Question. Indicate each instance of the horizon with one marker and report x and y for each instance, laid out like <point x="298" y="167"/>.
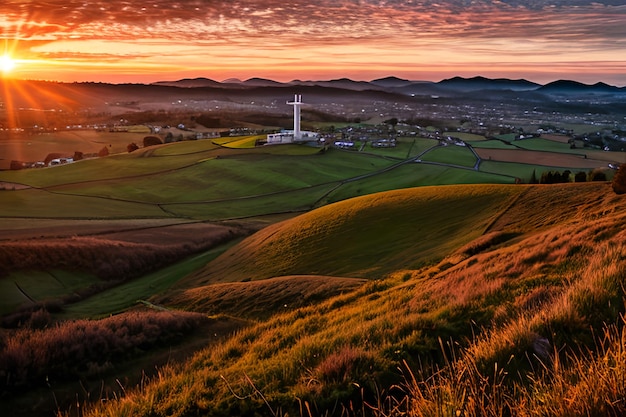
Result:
<point x="116" y="42"/>
<point x="235" y="80"/>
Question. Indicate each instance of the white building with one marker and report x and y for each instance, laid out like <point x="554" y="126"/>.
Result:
<point x="295" y="135"/>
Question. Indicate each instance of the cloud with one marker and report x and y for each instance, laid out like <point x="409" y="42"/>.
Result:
<point x="351" y="31"/>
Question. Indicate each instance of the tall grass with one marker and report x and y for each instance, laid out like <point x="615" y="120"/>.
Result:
<point x="508" y="329"/>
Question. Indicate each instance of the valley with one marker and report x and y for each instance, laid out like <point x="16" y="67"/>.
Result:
<point x="473" y="268"/>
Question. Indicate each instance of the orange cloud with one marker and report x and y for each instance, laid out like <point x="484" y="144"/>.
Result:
<point x="166" y="38"/>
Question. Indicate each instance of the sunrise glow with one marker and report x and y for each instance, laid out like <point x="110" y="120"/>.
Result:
<point x="118" y="41"/>
<point x="7" y="64"/>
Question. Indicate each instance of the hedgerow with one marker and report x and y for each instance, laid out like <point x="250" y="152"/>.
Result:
<point x="29" y="357"/>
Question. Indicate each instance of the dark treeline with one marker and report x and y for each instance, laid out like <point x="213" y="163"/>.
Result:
<point x="30" y="357"/>
<point x="557" y="177"/>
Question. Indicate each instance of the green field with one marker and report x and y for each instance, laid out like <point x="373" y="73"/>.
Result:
<point x="493" y="144"/>
<point x="451" y="155"/>
<point x="405" y="148"/>
<point x="26" y="287"/>
<point x="204" y="181"/>
<point x="355" y="265"/>
<point x="127" y="295"/>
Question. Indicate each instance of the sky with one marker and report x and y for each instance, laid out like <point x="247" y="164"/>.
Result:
<point x="122" y="41"/>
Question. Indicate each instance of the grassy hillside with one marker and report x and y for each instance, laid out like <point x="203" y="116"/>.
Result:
<point x="525" y="301"/>
<point x="367" y="236"/>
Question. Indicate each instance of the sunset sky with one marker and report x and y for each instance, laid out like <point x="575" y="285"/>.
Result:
<point x="144" y="41"/>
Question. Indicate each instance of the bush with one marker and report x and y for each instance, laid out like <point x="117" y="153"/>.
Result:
<point x="619" y="180"/>
<point x="151" y="141"/>
<point x="580" y="176"/>
<point x="131" y="147"/>
<point x="597" y="175"/>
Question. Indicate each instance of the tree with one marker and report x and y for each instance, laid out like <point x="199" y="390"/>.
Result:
<point x="132" y="147"/>
<point x="580" y="176"/>
<point x="597" y="175"/>
<point x="619" y="180"/>
<point x="151" y="141"/>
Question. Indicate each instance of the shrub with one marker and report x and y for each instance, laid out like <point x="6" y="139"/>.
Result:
<point x="580" y="176"/>
<point x="151" y="141"/>
<point x="131" y="147"/>
<point x="619" y="180"/>
<point x="597" y="175"/>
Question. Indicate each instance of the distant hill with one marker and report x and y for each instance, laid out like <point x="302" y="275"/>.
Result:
<point x="447" y="87"/>
<point x="261" y="82"/>
<point x="191" y="83"/>
<point x="342" y="83"/>
<point x="232" y="81"/>
<point x="482" y="83"/>
<point x="574" y="87"/>
<point x="391" y="82"/>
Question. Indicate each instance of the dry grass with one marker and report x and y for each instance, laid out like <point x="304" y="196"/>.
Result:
<point x="511" y="328"/>
<point x="261" y="299"/>
<point x="60" y="352"/>
<point x="96" y="262"/>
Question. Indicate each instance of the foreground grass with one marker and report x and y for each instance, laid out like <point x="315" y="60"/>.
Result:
<point x="508" y="324"/>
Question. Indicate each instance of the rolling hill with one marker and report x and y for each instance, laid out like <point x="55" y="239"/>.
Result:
<point x="514" y="311"/>
<point x="352" y="238"/>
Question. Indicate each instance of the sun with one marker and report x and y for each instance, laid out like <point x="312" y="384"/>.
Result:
<point x="6" y="63"/>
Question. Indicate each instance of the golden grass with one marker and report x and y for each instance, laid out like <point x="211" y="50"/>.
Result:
<point x="261" y="299"/>
<point x="512" y="327"/>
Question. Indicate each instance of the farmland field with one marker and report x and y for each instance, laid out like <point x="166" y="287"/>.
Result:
<point x="493" y="144"/>
<point x="547" y="145"/>
<point x="35" y="147"/>
<point x="547" y="159"/>
<point x="451" y="155"/>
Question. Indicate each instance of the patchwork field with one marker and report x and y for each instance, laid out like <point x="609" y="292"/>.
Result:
<point x="317" y="280"/>
<point x="542" y="158"/>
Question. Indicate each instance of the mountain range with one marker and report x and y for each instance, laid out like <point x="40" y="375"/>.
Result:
<point x="393" y="84"/>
